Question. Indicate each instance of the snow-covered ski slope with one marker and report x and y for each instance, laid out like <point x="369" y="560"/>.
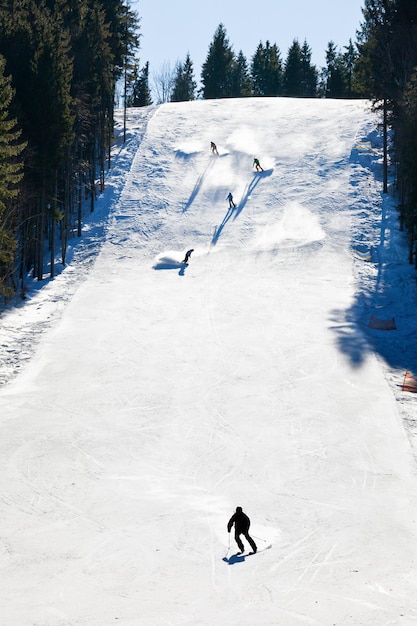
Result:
<point x="160" y="396"/>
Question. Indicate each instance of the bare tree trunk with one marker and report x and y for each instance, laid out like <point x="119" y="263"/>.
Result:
<point x="41" y="227"/>
<point x="385" y="139"/>
<point x="53" y="225"/>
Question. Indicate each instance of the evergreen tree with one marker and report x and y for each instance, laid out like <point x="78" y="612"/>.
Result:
<point x="385" y="72"/>
<point x="374" y="65"/>
<point x="184" y="83"/>
<point x="43" y="94"/>
<point x="141" y="95"/>
<point x="189" y="81"/>
<point x="350" y="58"/>
<point x="129" y="41"/>
<point x="309" y="74"/>
<point x="55" y="118"/>
<point x="217" y="70"/>
<point x="51" y="113"/>
<point x="178" y="91"/>
<point x="387" y="44"/>
<point x="63" y="57"/>
<point x="293" y="71"/>
<point x="259" y="85"/>
<point x="123" y="38"/>
<point x="407" y="146"/>
<point x="266" y="70"/>
<point x="333" y="75"/>
<point x="241" y="80"/>
<point x="10" y="176"/>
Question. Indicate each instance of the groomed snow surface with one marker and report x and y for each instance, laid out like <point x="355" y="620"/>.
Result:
<point x="143" y="400"/>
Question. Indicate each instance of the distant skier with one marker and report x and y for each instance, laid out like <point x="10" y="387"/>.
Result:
<point x="241" y="522"/>
<point x="187" y="255"/>
<point x="257" y="165"/>
<point x="213" y="147"/>
<point x="231" y="203"/>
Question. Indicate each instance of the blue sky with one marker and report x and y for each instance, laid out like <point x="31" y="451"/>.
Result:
<point x="171" y="29"/>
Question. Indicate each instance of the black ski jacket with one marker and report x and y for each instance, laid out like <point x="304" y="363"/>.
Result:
<point x="241" y="522"/>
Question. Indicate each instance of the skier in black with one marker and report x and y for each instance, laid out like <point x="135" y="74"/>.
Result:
<point x="242" y="523"/>
<point x="187" y="255"/>
<point x="213" y="147"/>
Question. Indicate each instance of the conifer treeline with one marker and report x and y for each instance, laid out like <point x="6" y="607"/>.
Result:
<point x="61" y="60"/>
<point x="228" y="75"/>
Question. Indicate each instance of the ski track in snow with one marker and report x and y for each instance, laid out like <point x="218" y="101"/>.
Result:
<point x="142" y="400"/>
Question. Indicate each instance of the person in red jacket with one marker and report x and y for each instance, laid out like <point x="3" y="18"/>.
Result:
<point x="241" y="522"/>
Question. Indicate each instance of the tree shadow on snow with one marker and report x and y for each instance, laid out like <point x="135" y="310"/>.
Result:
<point x="384" y="285"/>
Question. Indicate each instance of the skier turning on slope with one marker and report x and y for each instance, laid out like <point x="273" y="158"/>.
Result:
<point x="257" y="165"/>
<point x="242" y="523"/>
<point x="187" y="255"/>
<point x="213" y="147"/>
<point x="231" y="203"/>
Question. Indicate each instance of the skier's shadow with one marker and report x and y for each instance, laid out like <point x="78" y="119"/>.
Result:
<point x="235" y="558"/>
<point x="218" y="229"/>
<point x="167" y="263"/>
<point x="197" y="187"/>
<point x="257" y="177"/>
<point x="235" y="211"/>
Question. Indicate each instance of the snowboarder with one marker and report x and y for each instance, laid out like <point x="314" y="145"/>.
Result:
<point x="187" y="256"/>
<point x="242" y="523"/>
<point x="231" y="203"/>
<point x="257" y="165"/>
<point x="213" y="147"/>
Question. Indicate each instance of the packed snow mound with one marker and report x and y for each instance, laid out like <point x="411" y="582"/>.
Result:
<point x="297" y="225"/>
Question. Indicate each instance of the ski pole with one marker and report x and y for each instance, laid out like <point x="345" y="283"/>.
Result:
<point x="228" y="545"/>
<point x="260" y="538"/>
